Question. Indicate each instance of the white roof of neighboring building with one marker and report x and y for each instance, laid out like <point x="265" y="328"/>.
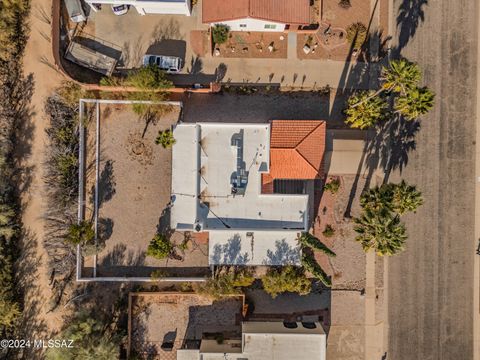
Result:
<point x="273" y="341"/>
<point x="253" y="248"/>
<point x="204" y="161"/>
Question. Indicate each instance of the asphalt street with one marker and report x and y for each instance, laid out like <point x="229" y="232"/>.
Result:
<point x="430" y="296"/>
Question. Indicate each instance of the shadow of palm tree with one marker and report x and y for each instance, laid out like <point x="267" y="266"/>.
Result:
<point x="391" y="146"/>
<point x="411" y="14"/>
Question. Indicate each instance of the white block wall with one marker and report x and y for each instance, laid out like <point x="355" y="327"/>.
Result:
<point x="253" y="25"/>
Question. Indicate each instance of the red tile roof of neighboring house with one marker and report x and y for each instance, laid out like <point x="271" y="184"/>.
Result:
<point x="282" y="11"/>
<point x="297" y="148"/>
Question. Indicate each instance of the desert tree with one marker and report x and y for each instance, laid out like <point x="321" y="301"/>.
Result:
<point x="289" y="278"/>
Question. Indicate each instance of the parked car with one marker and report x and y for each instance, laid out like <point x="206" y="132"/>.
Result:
<point x="169" y="64"/>
<point x="75" y="10"/>
<point x="120" y="9"/>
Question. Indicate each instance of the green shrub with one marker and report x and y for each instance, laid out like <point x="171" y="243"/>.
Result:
<point x="332" y="186"/>
<point x="160" y="247"/>
<point x="311" y="265"/>
<point x="329" y="231"/>
<point x="226" y="281"/>
<point x="165" y="138"/>
<point x="81" y="233"/>
<point x="158" y="274"/>
<point x="286" y="279"/>
<point x="357" y="34"/>
<point x="310" y="241"/>
<point x="94" y="338"/>
<point x="148" y="78"/>
<point x="220" y="33"/>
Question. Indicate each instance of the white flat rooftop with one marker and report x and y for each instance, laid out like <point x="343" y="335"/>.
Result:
<point x="205" y="160"/>
<point x="253" y="248"/>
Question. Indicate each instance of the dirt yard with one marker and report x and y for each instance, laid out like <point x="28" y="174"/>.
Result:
<point x="348" y="267"/>
<point x="133" y="194"/>
<point x="175" y="318"/>
<point x="241" y="44"/>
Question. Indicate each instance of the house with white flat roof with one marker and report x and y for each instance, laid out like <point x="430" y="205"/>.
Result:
<point x="221" y="177"/>
<point x="265" y="340"/>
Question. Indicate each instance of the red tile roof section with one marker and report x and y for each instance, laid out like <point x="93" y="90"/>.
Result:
<point x="267" y="184"/>
<point x="297" y="148"/>
<point x="295" y="12"/>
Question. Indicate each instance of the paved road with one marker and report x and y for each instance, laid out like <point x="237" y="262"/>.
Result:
<point x="430" y="285"/>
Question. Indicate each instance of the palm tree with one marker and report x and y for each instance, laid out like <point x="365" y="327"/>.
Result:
<point x="365" y="110"/>
<point x="406" y="198"/>
<point x="378" y="198"/>
<point x="414" y="103"/>
<point x="400" y="76"/>
<point x="381" y="231"/>
<point x="165" y="138"/>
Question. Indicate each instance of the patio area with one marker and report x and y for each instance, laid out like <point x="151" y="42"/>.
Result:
<point x="162" y="323"/>
<point x="246" y="44"/>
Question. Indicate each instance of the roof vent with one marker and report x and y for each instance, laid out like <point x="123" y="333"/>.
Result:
<point x="309" y="325"/>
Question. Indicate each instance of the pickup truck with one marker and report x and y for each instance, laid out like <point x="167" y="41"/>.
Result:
<point x="169" y="64"/>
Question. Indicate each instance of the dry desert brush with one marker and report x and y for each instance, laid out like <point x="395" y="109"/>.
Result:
<point x="15" y="93"/>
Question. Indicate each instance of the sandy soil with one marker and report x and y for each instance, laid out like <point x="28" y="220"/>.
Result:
<point x="241" y="44"/>
<point x="163" y="317"/>
<point x="38" y="56"/>
<point x="134" y="191"/>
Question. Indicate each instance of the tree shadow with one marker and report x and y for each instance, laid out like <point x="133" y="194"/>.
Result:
<point x="105" y="229"/>
<point x="411" y="14"/>
<point x="23" y="130"/>
<point x="229" y="253"/>
<point x="168" y="47"/>
<point x="283" y="254"/>
<point x="31" y="324"/>
<point x="106" y="185"/>
<point x="163" y="226"/>
<point x="390" y="148"/>
<point x="167" y="30"/>
<point x="120" y="256"/>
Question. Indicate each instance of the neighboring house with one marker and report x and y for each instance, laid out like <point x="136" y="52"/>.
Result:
<point x="257" y="15"/>
<point x="250" y="186"/>
<point x="265" y="340"/>
<point x="188" y="326"/>
<point x="144" y="7"/>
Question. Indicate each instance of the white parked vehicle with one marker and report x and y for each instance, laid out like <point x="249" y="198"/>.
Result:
<point x="169" y="64"/>
<point x="120" y="9"/>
